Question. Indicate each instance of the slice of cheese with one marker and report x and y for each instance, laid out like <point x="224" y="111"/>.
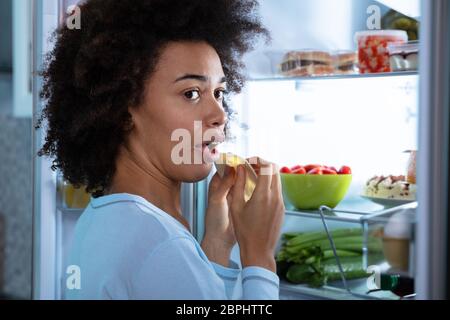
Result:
<point x="232" y="160"/>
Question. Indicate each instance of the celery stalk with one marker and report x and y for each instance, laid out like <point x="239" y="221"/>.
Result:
<point x="314" y="236"/>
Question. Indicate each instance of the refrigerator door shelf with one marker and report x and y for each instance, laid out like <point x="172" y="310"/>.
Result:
<point x="335" y="291"/>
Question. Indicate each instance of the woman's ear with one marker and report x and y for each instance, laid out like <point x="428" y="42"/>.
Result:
<point x="133" y="117"/>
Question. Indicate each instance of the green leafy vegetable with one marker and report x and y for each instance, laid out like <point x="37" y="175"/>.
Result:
<point x="308" y="257"/>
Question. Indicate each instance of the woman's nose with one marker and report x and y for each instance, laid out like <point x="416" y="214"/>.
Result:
<point x="217" y="115"/>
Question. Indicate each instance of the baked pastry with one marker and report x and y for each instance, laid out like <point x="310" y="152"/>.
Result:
<point x="345" y="62"/>
<point x="304" y="63"/>
<point x="390" y="187"/>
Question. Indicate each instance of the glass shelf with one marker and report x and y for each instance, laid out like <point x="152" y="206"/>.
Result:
<point x="372" y="220"/>
<point x="71" y="211"/>
<point x="334" y="77"/>
<point x="358" y="291"/>
<point x="359" y="213"/>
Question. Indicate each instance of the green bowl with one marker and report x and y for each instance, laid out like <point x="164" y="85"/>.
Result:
<point x="310" y="191"/>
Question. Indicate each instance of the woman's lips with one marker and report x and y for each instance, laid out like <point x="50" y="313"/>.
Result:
<point x="209" y="151"/>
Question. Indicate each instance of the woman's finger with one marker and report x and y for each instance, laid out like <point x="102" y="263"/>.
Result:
<point x="230" y="198"/>
<point x="264" y="179"/>
<point x="276" y="182"/>
<point x="254" y="163"/>
<point x="237" y="192"/>
<point x="221" y="185"/>
<point x="228" y="180"/>
<point x="257" y="164"/>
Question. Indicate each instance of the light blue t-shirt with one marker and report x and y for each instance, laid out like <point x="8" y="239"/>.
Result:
<point x="127" y="248"/>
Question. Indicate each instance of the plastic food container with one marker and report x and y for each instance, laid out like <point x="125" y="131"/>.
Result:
<point x="397" y="235"/>
<point x="76" y="198"/>
<point x="71" y="197"/>
<point x="306" y="63"/>
<point x="404" y="57"/>
<point x="345" y="62"/>
<point x="373" y="52"/>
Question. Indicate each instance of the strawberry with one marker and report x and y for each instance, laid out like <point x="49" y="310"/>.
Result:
<point x="345" y="170"/>
<point x="299" y="170"/>
<point x="316" y="170"/>
<point x="328" y="171"/>
<point x="285" y="170"/>
<point x="309" y="167"/>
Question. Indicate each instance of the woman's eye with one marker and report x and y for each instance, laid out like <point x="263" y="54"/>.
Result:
<point x="219" y="94"/>
<point x="192" y="94"/>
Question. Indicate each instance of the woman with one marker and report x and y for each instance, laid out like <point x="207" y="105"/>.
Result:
<point x="116" y="91"/>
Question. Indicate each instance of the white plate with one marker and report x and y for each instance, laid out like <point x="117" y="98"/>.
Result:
<point x="388" y="202"/>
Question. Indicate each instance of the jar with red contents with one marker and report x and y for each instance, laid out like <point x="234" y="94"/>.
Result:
<point x="373" y="54"/>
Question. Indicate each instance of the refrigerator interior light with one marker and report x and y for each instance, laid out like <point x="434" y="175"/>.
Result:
<point x="410" y="8"/>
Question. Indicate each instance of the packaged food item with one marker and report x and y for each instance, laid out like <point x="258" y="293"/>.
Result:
<point x="75" y="197"/>
<point x="345" y="62"/>
<point x="373" y="52"/>
<point x="397" y="235"/>
<point x="395" y="20"/>
<point x="232" y="160"/>
<point x="307" y="63"/>
<point x="71" y="197"/>
<point x="404" y="57"/>
<point x="396" y="252"/>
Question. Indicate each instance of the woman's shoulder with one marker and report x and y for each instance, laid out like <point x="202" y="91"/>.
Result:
<point x="133" y="216"/>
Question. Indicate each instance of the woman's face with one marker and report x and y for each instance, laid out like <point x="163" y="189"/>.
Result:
<point x="181" y="112"/>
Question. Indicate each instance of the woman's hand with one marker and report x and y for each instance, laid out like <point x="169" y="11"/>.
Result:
<point x="219" y="236"/>
<point x="257" y="223"/>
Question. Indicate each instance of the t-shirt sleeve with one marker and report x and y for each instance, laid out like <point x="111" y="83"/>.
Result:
<point x="251" y="283"/>
<point x="260" y="284"/>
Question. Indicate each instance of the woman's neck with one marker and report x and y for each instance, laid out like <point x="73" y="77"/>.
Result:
<point x="137" y="175"/>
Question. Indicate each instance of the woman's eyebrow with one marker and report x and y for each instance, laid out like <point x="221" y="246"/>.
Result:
<point x="199" y="78"/>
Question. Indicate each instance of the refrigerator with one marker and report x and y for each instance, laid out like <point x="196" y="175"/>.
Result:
<point x="365" y="121"/>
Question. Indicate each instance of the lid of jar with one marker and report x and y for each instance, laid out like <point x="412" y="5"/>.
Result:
<point x="410" y="47"/>
<point x="382" y="33"/>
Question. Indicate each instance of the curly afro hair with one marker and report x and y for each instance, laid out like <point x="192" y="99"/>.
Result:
<point x="94" y="74"/>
